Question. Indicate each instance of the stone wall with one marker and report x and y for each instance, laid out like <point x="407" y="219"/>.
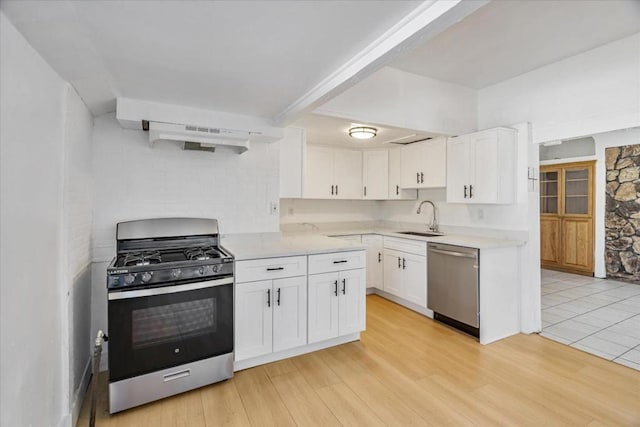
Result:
<point x="622" y="217"/>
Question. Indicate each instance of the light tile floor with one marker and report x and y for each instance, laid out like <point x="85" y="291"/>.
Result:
<point x="598" y="316"/>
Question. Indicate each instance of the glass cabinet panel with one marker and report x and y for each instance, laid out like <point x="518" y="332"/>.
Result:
<point x="549" y="192"/>
<point x="576" y="191"/>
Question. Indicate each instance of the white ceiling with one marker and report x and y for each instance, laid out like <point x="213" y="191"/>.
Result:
<point x="248" y="57"/>
<point x="324" y="130"/>
<point x="507" y="38"/>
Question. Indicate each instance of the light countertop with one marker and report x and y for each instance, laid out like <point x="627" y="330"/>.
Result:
<point x="270" y="245"/>
<point x="478" y="242"/>
<point x="274" y="245"/>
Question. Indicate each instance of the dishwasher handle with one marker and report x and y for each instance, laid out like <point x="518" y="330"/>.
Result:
<point x="453" y="253"/>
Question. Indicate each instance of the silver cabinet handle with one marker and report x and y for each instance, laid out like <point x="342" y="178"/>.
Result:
<point x="379" y="256"/>
<point x="275" y="268"/>
<point x="417" y="177"/>
<point x="397" y="190"/>
<point x="465" y="191"/>
<point x="344" y="286"/>
<point x="365" y="191"/>
<point x="336" y="189"/>
<point x="268" y="297"/>
<point x="404" y="264"/>
<point x="278" y="296"/>
<point x="398" y="262"/>
<point x="470" y="191"/>
<point x="335" y="290"/>
<point x="332" y="190"/>
<point x="342" y="261"/>
<point x="421" y="178"/>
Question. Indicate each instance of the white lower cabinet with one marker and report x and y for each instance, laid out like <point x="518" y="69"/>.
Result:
<point x="270" y="316"/>
<point x="336" y="304"/>
<point x="405" y="276"/>
<point x="374" y="260"/>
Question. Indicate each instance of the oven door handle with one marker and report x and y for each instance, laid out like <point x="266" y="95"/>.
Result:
<point x="124" y="294"/>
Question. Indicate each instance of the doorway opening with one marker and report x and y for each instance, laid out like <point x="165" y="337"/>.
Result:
<point x="597" y="315"/>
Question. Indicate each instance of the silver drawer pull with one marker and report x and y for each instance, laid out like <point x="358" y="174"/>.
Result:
<point x="340" y="262"/>
<point x="176" y="375"/>
<point x="275" y="268"/>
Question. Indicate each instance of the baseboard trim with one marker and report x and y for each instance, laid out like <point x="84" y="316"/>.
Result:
<point x="80" y="393"/>
<point x="401" y="301"/>
<point x="285" y="354"/>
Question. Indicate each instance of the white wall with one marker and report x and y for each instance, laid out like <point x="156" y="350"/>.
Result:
<point x="41" y="118"/>
<point x="604" y="140"/>
<point x="134" y="180"/>
<point x="593" y="92"/>
<point x="396" y="98"/>
<point x="77" y="225"/>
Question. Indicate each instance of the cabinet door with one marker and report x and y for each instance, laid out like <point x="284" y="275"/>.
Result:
<point x="374" y="260"/>
<point x="409" y="163"/>
<point x="484" y="167"/>
<point x="433" y="163"/>
<point x="253" y="319"/>
<point x="323" y="306"/>
<point x="396" y="192"/>
<point x="351" y="302"/>
<point x="550" y="250"/>
<point x="458" y="169"/>
<point x="347" y="173"/>
<point x="392" y="271"/>
<point x="414" y="269"/>
<point x="318" y="177"/>
<point x="289" y="313"/>
<point x="375" y="165"/>
<point x="577" y="243"/>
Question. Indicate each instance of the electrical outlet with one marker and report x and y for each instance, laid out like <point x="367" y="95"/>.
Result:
<point x="273" y="208"/>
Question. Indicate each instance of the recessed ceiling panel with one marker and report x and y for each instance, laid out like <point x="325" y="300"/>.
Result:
<point x="325" y="130"/>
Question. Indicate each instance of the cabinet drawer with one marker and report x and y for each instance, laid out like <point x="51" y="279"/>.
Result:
<point x="337" y="261"/>
<point x="270" y="268"/>
<point x="406" y="245"/>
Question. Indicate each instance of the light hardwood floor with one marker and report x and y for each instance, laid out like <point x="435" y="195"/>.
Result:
<point x="407" y="369"/>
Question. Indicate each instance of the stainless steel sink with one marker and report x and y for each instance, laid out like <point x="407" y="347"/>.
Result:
<point x="417" y="233"/>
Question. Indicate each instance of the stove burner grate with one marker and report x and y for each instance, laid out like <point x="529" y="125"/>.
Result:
<point x="199" y="254"/>
<point x="142" y="258"/>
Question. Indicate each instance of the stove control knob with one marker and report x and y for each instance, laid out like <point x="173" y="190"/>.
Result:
<point x="201" y="271"/>
<point x="215" y="268"/>
<point x="146" y="276"/>
<point x="176" y="273"/>
<point x="129" y="279"/>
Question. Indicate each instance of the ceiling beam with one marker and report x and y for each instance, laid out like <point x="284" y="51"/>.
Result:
<point x="425" y="22"/>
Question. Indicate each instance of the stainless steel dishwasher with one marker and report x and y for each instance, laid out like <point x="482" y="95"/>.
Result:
<point x="453" y="294"/>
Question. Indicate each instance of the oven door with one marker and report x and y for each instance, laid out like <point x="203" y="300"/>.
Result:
<point x="157" y="328"/>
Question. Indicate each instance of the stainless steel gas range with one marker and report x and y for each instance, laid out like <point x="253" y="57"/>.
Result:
<point x="170" y="308"/>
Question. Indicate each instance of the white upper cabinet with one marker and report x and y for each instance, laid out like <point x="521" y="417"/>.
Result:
<point x="396" y="192"/>
<point x="424" y="163"/>
<point x="332" y="173"/>
<point x="375" y="174"/>
<point x="347" y="173"/>
<point x="318" y="176"/>
<point x="481" y="167"/>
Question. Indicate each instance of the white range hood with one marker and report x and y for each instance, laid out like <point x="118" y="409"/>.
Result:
<point x="200" y="138"/>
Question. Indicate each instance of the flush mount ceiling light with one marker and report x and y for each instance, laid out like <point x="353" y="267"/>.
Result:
<point x="362" y="132"/>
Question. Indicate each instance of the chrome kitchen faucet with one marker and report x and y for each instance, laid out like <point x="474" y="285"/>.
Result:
<point x="434" y="220"/>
